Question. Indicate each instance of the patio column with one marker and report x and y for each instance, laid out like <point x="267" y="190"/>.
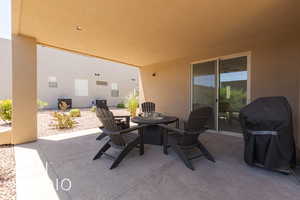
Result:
<point x="24" y="89"/>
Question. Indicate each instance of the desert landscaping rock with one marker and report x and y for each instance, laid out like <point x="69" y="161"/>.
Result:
<point x="7" y="173"/>
<point x="88" y="120"/>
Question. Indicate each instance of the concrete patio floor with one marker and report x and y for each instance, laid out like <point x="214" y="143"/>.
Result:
<point x="148" y="177"/>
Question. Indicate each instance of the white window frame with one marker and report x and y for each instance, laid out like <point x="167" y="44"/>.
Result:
<point x="248" y="54"/>
<point x="51" y="81"/>
<point x="81" y="87"/>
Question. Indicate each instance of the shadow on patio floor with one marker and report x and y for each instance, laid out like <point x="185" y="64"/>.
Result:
<point x="151" y="176"/>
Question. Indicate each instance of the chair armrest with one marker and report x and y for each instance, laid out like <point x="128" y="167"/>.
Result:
<point x="180" y="131"/>
<point x="133" y="128"/>
<point x="170" y="128"/>
<point x="122" y="116"/>
<point x="127" y="130"/>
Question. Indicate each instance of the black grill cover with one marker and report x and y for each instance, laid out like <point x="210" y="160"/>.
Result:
<point x="268" y="133"/>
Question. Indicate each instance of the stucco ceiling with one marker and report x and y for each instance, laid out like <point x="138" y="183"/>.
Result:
<point x="143" y="32"/>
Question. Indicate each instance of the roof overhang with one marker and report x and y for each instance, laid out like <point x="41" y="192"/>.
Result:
<point x="144" y="32"/>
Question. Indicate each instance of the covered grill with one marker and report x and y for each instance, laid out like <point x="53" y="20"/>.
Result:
<point x="268" y="133"/>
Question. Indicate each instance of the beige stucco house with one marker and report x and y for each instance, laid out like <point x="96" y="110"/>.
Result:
<point x="177" y="45"/>
<point x="62" y="74"/>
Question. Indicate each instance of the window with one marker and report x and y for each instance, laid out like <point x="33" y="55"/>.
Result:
<point x="52" y="82"/>
<point x="81" y="87"/>
<point x="114" y="90"/>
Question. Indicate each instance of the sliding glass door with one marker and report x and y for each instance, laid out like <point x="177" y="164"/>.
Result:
<point x="232" y="92"/>
<point x="221" y="84"/>
<point x="204" y="82"/>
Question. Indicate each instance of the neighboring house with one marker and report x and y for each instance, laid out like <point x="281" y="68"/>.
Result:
<point x="63" y="74"/>
<point x="5" y="69"/>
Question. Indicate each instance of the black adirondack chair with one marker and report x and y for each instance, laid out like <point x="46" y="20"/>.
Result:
<point x="122" y="121"/>
<point x="148" y="107"/>
<point x="122" y="139"/>
<point x="183" y="141"/>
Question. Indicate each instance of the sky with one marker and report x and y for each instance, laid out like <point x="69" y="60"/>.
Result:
<point x="209" y="80"/>
<point x="5" y="19"/>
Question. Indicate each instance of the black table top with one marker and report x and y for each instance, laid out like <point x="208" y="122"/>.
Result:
<point x="164" y="120"/>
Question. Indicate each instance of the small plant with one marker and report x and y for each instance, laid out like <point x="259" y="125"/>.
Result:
<point x="63" y="106"/>
<point x="75" y="113"/>
<point x="6" y="110"/>
<point x="121" y="105"/>
<point x="41" y="104"/>
<point x="132" y="104"/>
<point x="63" y="121"/>
<point x="93" y="109"/>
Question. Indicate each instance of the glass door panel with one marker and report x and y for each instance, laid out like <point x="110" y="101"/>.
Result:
<point x="204" y="93"/>
<point x="232" y="92"/>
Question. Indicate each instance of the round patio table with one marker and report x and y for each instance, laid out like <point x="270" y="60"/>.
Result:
<point x="153" y="134"/>
<point x="163" y="120"/>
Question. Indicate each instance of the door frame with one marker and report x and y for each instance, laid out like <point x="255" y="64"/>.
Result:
<point x="248" y="54"/>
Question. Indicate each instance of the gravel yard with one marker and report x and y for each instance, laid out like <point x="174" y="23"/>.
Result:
<point x="4" y="126"/>
<point x="87" y="120"/>
<point x="7" y="173"/>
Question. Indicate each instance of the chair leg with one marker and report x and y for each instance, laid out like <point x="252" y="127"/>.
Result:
<point x="101" y="151"/>
<point x="165" y="141"/>
<point x="182" y="156"/>
<point x="205" y="152"/>
<point x="141" y="141"/>
<point x="124" y="152"/>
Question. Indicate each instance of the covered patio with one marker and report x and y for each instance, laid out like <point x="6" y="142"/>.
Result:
<point x="165" y="40"/>
<point x="151" y="176"/>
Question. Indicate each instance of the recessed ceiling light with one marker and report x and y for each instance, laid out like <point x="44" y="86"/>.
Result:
<point x="78" y="28"/>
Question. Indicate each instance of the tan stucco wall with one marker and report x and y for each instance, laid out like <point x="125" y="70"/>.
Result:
<point x="24" y="90"/>
<point x="5" y="137"/>
<point x="274" y="71"/>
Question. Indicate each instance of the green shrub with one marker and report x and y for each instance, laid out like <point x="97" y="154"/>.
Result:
<point x="41" y="104"/>
<point x="63" y="121"/>
<point x="93" y="109"/>
<point x="237" y="98"/>
<point x="75" y="113"/>
<point x="132" y="104"/>
<point x="6" y="110"/>
<point x="121" y="105"/>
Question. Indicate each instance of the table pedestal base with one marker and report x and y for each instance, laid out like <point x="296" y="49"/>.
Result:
<point x="153" y="135"/>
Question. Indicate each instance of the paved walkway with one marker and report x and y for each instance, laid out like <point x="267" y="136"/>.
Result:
<point x="154" y="175"/>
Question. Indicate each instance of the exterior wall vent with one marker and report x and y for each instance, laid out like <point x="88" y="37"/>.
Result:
<point x="103" y="83"/>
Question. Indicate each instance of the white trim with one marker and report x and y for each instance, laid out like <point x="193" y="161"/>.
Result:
<point x="191" y="87"/>
<point x="217" y="75"/>
<point x="234" y="55"/>
<point x="249" y="78"/>
<point x="246" y="53"/>
<point x="203" y="61"/>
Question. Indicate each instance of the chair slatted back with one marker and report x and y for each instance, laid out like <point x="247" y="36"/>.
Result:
<point x="197" y="122"/>
<point x="148" y="107"/>
<point x="199" y="118"/>
<point x="107" y="119"/>
<point x="102" y="105"/>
